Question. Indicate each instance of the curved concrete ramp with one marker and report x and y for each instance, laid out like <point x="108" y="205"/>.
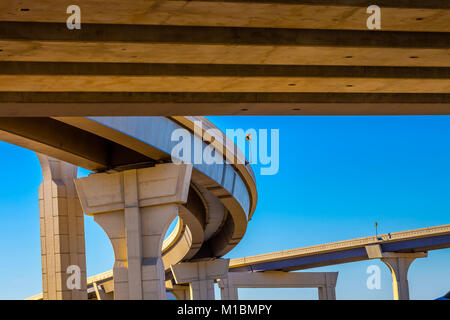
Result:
<point x="220" y="200"/>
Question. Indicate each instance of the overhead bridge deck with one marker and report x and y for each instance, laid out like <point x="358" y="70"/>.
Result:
<point x="221" y="57"/>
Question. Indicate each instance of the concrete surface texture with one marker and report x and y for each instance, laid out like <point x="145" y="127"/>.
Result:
<point x="224" y="57"/>
<point x="62" y="231"/>
<point x="135" y="208"/>
<point x="169" y="62"/>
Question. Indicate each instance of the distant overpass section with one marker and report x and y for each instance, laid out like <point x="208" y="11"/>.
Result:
<point x="222" y="57"/>
<point x="406" y="245"/>
<point x="411" y="241"/>
<point x="397" y="250"/>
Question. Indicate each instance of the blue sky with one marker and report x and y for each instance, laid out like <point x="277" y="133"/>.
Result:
<point x="337" y="176"/>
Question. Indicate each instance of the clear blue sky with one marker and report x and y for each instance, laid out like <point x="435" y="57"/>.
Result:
<point x="338" y="175"/>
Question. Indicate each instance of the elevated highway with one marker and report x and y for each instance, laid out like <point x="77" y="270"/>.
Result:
<point x="218" y="57"/>
<point x="406" y="243"/>
<point x="411" y="241"/>
<point x="221" y="197"/>
<point x="397" y="250"/>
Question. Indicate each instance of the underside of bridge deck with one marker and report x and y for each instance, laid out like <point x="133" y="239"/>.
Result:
<point x="295" y="57"/>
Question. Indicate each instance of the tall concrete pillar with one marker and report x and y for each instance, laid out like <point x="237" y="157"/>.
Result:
<point x="62" y="232"/>
<point x="135" y="209"/>
<point x="201" y="276"/>
<point x="399" y="265"/>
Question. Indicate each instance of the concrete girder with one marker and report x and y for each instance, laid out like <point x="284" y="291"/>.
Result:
<point x="400" y="15"/>
<point x="325" y="282"/>
<point x="285" y="57"/>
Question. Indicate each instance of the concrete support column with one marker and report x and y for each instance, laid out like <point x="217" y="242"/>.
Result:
<point x="328" y="291"/>
<point x="135" y="209"/>
<point x="200" y="276"/>
<point x="227" y="290"/>
<point x="399" y="265"/>
<point x="62" y="232"/>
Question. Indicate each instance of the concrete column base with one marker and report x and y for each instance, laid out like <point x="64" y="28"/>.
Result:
<point x="137" y="242"/>
<point x="200" y="276"/>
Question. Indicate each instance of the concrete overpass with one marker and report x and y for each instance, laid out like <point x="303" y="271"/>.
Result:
<point x="272" y="268"/>
<point x="411" y="241"/>
<point x="214" y="201"/>
<point x="397" y="250"/>
<point x="217" y="57"/>
<point x="179" y="59"/>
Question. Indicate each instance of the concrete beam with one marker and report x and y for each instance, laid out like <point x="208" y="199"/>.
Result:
<point x="324" y="281"/>
<point x="223" y="104"/>
<point x="68" y="143"/>
<point x="224" y="58"/>
<point x="219" y="70"/>
<point x="14" y="30"/>
<point x="347" y="14"/>
<point x="135" y="52"/>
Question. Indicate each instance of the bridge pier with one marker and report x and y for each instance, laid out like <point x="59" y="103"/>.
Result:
<point x="200" y="276"/>
<point x="135" y="208"/>
<point x="62" y="232"/>
<point x="325" y="282"/>
<point x="399" y="267"/>
<point x="399" y="264"/>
